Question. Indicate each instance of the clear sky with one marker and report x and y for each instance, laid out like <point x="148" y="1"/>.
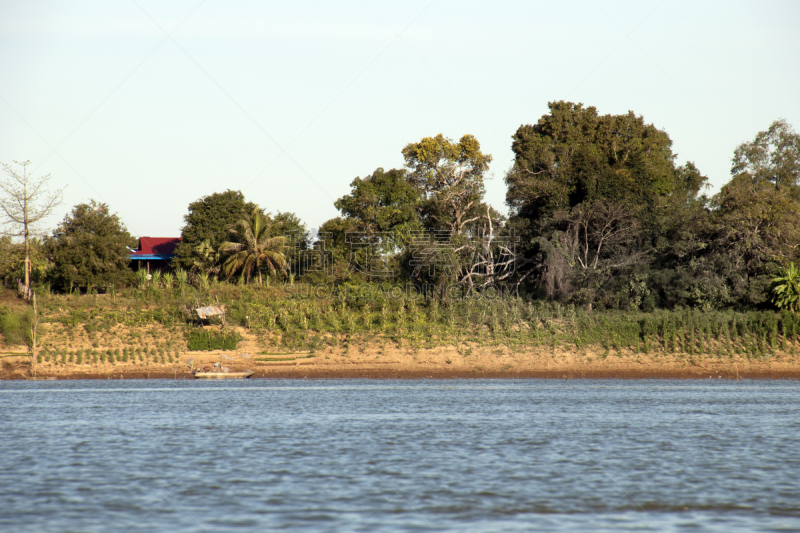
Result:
<point x="149" y="105"/>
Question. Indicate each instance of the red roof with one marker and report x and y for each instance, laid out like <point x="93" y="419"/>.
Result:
<point x="157" y="245"/>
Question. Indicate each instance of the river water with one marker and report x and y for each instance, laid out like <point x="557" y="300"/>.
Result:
<point x="353" y="455"/>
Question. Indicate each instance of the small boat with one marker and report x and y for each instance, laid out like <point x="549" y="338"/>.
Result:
<point x="223" y="375"/>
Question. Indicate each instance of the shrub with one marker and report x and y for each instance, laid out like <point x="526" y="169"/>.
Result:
<point x="205" y="340"/>
<point x="16" y="326"/>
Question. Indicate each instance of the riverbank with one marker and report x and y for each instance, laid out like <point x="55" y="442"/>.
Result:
<point x="446" y="362"/>
<point x="154" y="333"/>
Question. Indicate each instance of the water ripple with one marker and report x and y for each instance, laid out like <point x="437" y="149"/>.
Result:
<point x="350" y="455"/>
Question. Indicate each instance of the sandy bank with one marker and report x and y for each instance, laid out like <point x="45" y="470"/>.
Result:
<point x="446" y="362"/>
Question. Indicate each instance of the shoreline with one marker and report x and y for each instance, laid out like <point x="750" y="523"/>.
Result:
<point x="621" y="369"/>
<point x="437" y="375"/>
<point x="392" y="362"/>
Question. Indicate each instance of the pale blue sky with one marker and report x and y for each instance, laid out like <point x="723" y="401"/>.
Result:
<point x="289" y="101"/>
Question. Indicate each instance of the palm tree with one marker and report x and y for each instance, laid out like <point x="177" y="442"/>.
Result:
<point x="259" y="249"/>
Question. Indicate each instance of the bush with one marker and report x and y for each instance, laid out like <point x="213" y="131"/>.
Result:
<point x="205" y="340"/>
<point x="16" y="326"/>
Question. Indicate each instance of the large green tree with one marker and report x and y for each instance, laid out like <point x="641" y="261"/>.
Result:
<point x="450" y="179"/>
<point x="332" y="259"/>
<point x="773" y="156"/>
<point x="89" y="249"/>
<point x="207" y="226"/>
<point x="382" y="203"/>
<point x="752" y="230"/>
<point x="379" y="216"/>
<point x="726" y="255"/>
<point x="590" y="195"/>
<point x="297" y="238"/>
<point x="427" y="222"/>
<point x="573" y="154"/>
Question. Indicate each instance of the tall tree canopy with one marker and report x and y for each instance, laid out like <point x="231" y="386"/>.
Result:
<point x="590" y="195"/>
<point x="378" y="217"/>
<point x="752" y="230"/>
<point x="450" y="179"/>
<point x="207" y="226"/>
<point x="90" y="248"/>
<point x="297" y="240"/>
<point x="440" y="191"/>
<point x="773" y="156"/>
<point x="573" y="154"/>
<point x="382" y="203"/>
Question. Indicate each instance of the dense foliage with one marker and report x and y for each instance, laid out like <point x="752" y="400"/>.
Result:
<point x="89" y="249"/>
<point x="607" y="217"/>
<point x="12" y="261"/>
<point x="601" y="216"/>
<point x="207" y="227"/>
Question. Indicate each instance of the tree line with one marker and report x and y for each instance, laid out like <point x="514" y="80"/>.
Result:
<point x="601" y="215"/>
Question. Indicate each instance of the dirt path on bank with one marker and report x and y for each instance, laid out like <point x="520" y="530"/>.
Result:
<point x="389" y="362"/>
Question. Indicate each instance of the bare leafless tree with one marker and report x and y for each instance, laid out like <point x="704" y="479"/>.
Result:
<point x="599" y="239"/>
<point x="493" y="260"/>
<point x="24" y="202"/>
<point x="595" y="235"/>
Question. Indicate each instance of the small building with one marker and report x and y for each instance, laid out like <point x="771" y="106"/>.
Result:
<point x="154" y="253"/>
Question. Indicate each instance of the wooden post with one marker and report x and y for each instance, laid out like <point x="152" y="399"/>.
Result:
<point x="34" y="327"/>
